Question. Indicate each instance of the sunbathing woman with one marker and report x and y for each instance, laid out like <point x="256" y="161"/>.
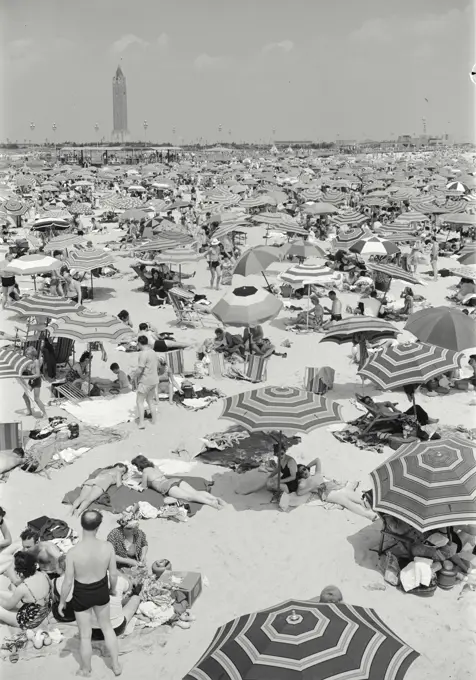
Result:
<point x="29" y="603"/>
<point x="153" y="478"/>
<point x="329" y="491"/>
<point x="94" y="488"/>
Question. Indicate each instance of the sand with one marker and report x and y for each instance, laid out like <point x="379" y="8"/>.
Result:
<point x="251" y="555"/>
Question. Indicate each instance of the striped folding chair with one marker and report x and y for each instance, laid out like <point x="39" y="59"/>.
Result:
<point x="175" y="361"/>
<point x="318" y="380"/>
<point x="255" y="369"/>
<point x="216" y="367"/>
<point x="11" y="436"/>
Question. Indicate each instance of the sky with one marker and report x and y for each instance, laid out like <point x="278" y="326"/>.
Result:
<point x="255" y="69"/>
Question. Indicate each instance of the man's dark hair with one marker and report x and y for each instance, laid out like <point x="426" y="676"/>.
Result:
<point x="143" y="326"/>
<point x="30" y="533"/>
<point x="332" y="292"/>
<point x="114" y="366"/>
<point x="472" y="357"/>
<point x="142" y="340"/>
<point x="91" y="520"/>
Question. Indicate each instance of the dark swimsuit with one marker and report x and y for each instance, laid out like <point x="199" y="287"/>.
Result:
<point x="88" y="595"/>
<point x="160" y="346"/>
<point x="293" y="485"/>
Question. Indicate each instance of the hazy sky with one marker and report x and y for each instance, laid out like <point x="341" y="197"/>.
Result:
<point x="311" y="69"/>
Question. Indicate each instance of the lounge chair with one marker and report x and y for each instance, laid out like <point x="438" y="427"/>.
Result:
<point x="216" y="367"/>
<point x="175" y="361"/>
<point x="70" y="392"/>
<point x="256" y="368"/>
<point x="141" y="275"/>
<point x="64" y="350"/>
<point x="319" y="380"/>
<point x="374" y="417"/>
<point x="184" y="315"/>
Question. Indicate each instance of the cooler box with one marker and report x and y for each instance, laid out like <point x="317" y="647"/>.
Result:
<point x="188" y="582"/>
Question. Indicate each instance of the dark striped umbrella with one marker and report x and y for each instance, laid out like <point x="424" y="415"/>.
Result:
<point x="429" y="484"/>
<point x="15" y="207"/>
<point x="350" y="218"/>
<point x="413" y="363"/>
<point x="443" y="326"/>
<point x="12" y="363"/>
<point x="300" y="640"/>
<point x="48" y="306"/>
<point x="394" y="272"/>
<point x="346" y="239"/>
<point x="63" y="241"/>
<point x="373" y="328"/>
<point x="313" y="194"/>
<point x="375" y="246"/>
<point x="90" y="326"/>
<point x="86" y="260"/>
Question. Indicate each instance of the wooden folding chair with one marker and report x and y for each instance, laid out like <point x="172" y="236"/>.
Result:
<point x="375" y="418"/>
<point x="184" y="315"/>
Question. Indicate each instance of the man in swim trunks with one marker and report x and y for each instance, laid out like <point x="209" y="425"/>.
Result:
<point x="88" y="565"/>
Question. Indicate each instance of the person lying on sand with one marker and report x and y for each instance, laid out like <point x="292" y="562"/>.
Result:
<point x="94" y="488"/>
<point x="313" y="482"/>
<point x="154" y="478"/>
<point x="9" y="460"/>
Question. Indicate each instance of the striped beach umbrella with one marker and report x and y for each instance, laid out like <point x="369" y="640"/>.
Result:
<point x="411" y="217"/>
<point x="374" y="245"/>
<point x="443" y="326"/>
<point x="372" y="328"/>
<point x="179" y="255"/>
<point x="458" y="187"/>
<point x="40" y="304"/>
<point x="87" y="260"/>
<point x="246" y="306"/>
<point x="89" y="326"/>
<point x="468" y="258"/>
<point x="460" y="218"/>
<point x="320" y="208"/>
<point x="334" y="197"/>
<point x="349" y="217"/>
<point x="256" y="260"/>
<point x="467" y="271"/>
<point x="257" y="202"/>
<point x="48" y="222"/>
<point x="346" y="239"/>
<point x="312" y="194"/>
<point x="14" y="207"/>
<point x="301" y="640"/>
<point x="458" y="206"/>
<point x="287" y="409"/>
<point x="394" y="272"/>
<point x="276" y="219"/>
<point x="413" y="363"/>
<point x="33" y="264"/>
<point x="12" y="363"/>
<point x="430" y="485"/>
<point x="301" y="248"/>
<point x="300" y="274"/>
<point x="63" y="242"/>
<point x="230" y="224"/>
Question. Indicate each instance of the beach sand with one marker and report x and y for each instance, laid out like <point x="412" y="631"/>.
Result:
<point x="252" y="555"/>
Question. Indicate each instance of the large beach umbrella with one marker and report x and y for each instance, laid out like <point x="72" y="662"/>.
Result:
<point x="314" y="194"/>
<point x="14" y="207"/>
<point x="374" y="246"/>
<point x="350" y="218"/>
<point x="429" y="485"/>
<point x="320" y="208"/>
<point x="466" y="271"/>
<point x="443" y="326"/>
<point x="48" y="306"/>
<point x="179" y="255"/>
<point x="374" y="329"/>
<point x="87" y="260"/>
<point x="89" y="327"/>
<point x="301" y="274"/>
<point x="256" y="260"/>
<point x="33" y="264"/>
<point x="412" y="363"/>
<point x="12" y="363"/>
<point x="301" y="640"/>
<point x="468" y="258"/>
<point x="247" y="306"/>
<point x="393" y="272"/>
<point x="49" y="222"/>
<point x="301" y="248"/>
<point x="346" y="239"/>
<point x="63" y="242"/>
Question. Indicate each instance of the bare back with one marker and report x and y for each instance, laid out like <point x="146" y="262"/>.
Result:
<point x="91" y="560"/>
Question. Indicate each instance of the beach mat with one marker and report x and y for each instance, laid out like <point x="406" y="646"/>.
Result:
<point x="116" y="500"/>
<point x="247" y="454"/>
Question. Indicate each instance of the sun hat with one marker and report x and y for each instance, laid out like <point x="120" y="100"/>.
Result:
<point x="214" y="242"/>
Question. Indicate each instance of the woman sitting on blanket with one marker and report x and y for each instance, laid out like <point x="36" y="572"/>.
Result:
<point x="92" y="489"/>
<point x="311" y="320"/>
<point x="328" y="491"/>
<point x="80" y="370"/>
<point x="174" y="487"/>
<point x="129" y="542"/>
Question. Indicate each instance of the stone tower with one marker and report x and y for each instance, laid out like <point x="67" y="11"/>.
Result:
<point x="120" y="132"/>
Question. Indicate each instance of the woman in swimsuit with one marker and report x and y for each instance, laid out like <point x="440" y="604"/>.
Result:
<point x="167" y="383"/>
<point x="331" y="491"/>
<point x="30" y="602"/>
<point x="153" y="478"/>
<point x="80" y="370"/>
<point x="214" y="258"/>
<point x="94" y="488"/>
<point x="33" y="371"/>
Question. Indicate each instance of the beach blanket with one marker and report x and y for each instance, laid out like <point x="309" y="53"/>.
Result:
<point x="116" y="500"/>
<point x="246" y="452"/>
<point x="104" y="411"/>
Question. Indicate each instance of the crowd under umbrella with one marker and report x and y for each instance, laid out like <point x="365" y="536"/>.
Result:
<point x="179" y="256"/>
<point x="284" y="409"/>
<point x="90" y="327"/>
<point x="430" y="485"/>
<point x="409" y="365"/>
<point x="305" y="640"/>
<point x="256" y="260"/>
<point x="88" y="260"/>
<point x="360" y="329"/>
<point x="443" y="326"/>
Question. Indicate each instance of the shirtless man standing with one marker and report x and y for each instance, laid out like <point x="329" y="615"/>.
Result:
<point x="88" y="566"/>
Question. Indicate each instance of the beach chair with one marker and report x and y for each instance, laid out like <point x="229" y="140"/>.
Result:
<point x="184" y="315"/>
<point x="71" y="392"/>
<point x="11" y="436"/>
<point x="318" y="380"/>
<point x="216" y="367"/>
<point x="142" y="276"/>
<point x="64" y="351"/>
<point x="375" y="418"/>
<point x="175" y="361"/>
<point x="256" y="368"/>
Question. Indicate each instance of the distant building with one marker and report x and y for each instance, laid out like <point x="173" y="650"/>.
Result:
<point x="120" y="133"/>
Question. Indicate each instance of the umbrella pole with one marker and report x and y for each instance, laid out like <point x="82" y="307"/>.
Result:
<point x="267" y="282"/>
<point x="280" y="442"/>
<point x="89" y="372"/>
<point x="92" y="289"/>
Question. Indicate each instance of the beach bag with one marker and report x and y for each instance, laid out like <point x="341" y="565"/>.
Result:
<point x="391" y="569"/>
<point x="187" y="389"/>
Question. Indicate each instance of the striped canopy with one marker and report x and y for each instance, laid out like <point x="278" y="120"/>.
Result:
<point x="257" y="201"/>
<point x="375" y="246"/>
<point x="373" y="329"/>
<point x="349" y="217"/>
<point x="429" y="485"/>
<point x="63" y="241"/>
<point x="15" y="207"/>
<point x="346" y="239"/>
<point x="300" y="640"/>
<point x="443" y="326"/>
<point x="334" y="197"/>
<point x="313" y="194"/>
<point x="48" y="222"/>
<point x="230" y="224"/>
<point x="413" y="363"/>
<point x="179" y="255"/>
<point x="12" y="363"/>
<point x="466" y="271"/>
<point x="246" y="306"/>
<point x="319" y="208"/>
<point x="287" y="409"/>
<point x="302" y="248"/>
<point x="460" y="218"/>
<point x="256" y="260"/>
<point x="411" y="217"/>
<point x="394" y="272"/>
<point x="33" y="264"/>
<point x="48" y="306"/>
<point x="300" y="274"/>
<point x="90" y="326"/>
<point x="85" y="260"/>
<point x="276" y="219"/>
<point x="468" y="258"/>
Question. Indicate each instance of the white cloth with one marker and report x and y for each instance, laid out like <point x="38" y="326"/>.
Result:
<point x="104" y="412"/>
<point x="147" y="511"/>
<point x="416" y="573"/>
<point x="69" y="454"/>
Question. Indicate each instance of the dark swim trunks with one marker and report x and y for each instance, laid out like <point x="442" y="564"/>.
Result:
<point x="160" y="346"/>
<point x="336" y="317"/>
<point x="88" y="595"/>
